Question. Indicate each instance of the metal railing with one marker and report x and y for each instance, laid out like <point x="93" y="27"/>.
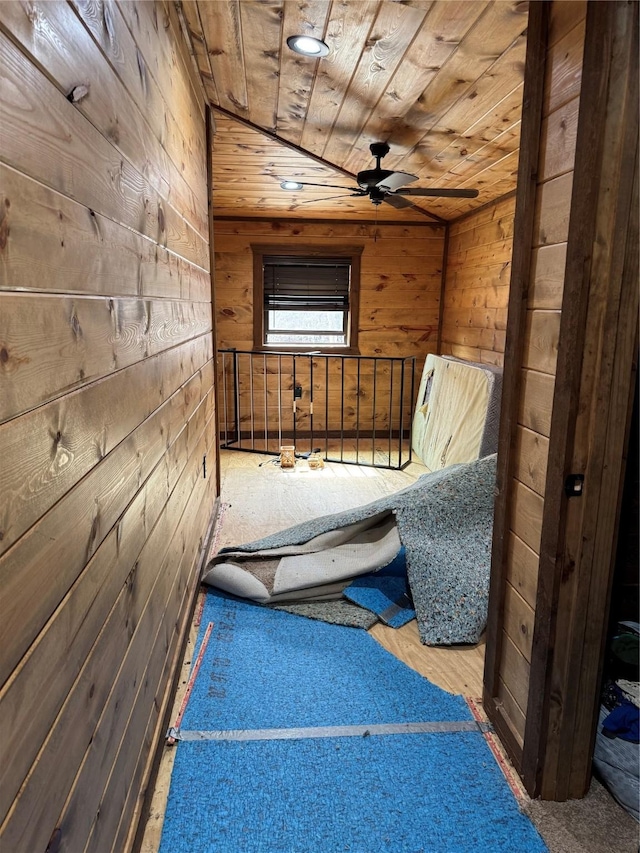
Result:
<point x="352" y="409"/>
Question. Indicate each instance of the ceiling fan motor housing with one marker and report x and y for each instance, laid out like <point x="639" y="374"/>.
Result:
<point x="377" y="195"/>
<point x="379" y="149"/>
<point x="372" y="177"/>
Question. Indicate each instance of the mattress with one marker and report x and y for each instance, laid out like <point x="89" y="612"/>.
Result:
<point x="457" y="412"/>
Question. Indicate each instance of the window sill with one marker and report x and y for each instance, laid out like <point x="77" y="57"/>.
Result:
<point x="308" y="350"/>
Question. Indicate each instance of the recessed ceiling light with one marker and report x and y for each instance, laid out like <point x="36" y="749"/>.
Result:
<point x="308" y="46"/>
<point x="291" y="185"/>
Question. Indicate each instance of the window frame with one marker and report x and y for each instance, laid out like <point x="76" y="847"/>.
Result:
<point x="351" y="253"/>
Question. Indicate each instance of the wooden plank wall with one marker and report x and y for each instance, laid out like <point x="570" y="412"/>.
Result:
<point x="400" y="291"/>
<point x="555" y="174"/>
<point x="107" y="406"/>
<point x="477" y="277"/>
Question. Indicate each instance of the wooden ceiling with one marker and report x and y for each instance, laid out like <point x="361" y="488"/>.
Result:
<point x="440" y="81"/>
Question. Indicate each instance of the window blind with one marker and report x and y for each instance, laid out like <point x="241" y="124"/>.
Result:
<point x="306" y="284"/>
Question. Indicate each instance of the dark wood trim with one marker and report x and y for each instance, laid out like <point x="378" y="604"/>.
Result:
<point x="470" y="213"/>
<point x="404" y="223"/>
<point x="258" y="299"/>
<point x="354" y="252"/>
<point x="563" y="675"/>
<point x="602" y="522"/>
<point x="209" y="134"/>
<point x="443" y="288"/>
<point x="532" y="109"/>
<point x="354" y="302"/>
<point x="502" y="728"/>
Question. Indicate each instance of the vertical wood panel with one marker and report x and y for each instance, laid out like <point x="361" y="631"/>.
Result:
<point x="109" y="410"/>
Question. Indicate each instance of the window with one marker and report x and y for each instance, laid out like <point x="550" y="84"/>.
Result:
<point x="305" y="298"/>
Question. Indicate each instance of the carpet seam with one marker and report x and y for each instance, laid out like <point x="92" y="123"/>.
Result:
<point x="309" y="732"/>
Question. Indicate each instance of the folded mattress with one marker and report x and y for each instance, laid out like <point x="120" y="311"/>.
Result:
<point x="457" y="412"/>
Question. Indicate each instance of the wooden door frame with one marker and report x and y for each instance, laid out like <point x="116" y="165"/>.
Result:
<point x="591" y="412"/>
<point x="589" y="430"/>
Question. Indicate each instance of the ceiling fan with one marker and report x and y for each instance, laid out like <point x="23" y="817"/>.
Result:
<point x="384" y="184"/>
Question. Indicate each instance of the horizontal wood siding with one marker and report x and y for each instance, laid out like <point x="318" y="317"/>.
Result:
<point x="400" y="285"/>
<point x="478" y="273"/>
<point x="107" y="407"/>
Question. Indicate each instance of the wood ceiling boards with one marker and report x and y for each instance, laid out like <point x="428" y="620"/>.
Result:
<point x="440" y="81"/>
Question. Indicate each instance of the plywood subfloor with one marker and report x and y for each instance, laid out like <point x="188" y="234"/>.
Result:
<point x="258" y="498"/>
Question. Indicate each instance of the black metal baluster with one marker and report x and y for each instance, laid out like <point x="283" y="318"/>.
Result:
<point x="326" y="406"/>
<point x="391" y="363"/>
<point x="311" y="401"/>
<point x="342" y="413"/>
<point x="411" y="404"/>
<point x="236" y="396"/>
<point x="266" y="394"/>
<point x="294" y="406"/>
<point x="279" y="403"/>
<point x="358" y="412"/>
<point x="373" y="413"/>
<point x="401" y="414"/>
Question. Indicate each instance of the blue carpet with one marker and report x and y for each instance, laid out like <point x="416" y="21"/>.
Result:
<point x="385" y="593"/>
<point x="269" y="669"/>
<point x="401" y="793"/>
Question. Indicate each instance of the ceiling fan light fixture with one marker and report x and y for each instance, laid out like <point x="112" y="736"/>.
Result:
<point x="291" y="185"/>
<point x="308" y="46"/>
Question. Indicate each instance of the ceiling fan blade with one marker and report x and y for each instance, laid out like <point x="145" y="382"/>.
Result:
<point x="396" y="180"/>
<point x="401" y="203"/>
<point x="397" y="201"/>
<point x="440" y="193"/>
<point x="326" y="186"/>
<point x="331" y="198"/>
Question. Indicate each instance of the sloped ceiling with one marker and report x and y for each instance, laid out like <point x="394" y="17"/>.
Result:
<point x="440" y="81"/>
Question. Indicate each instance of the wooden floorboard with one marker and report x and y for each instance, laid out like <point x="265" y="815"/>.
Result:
<point x="258" y="498"/>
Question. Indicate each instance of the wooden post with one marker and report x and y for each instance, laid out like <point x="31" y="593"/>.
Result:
<point x="591" y="402"/>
